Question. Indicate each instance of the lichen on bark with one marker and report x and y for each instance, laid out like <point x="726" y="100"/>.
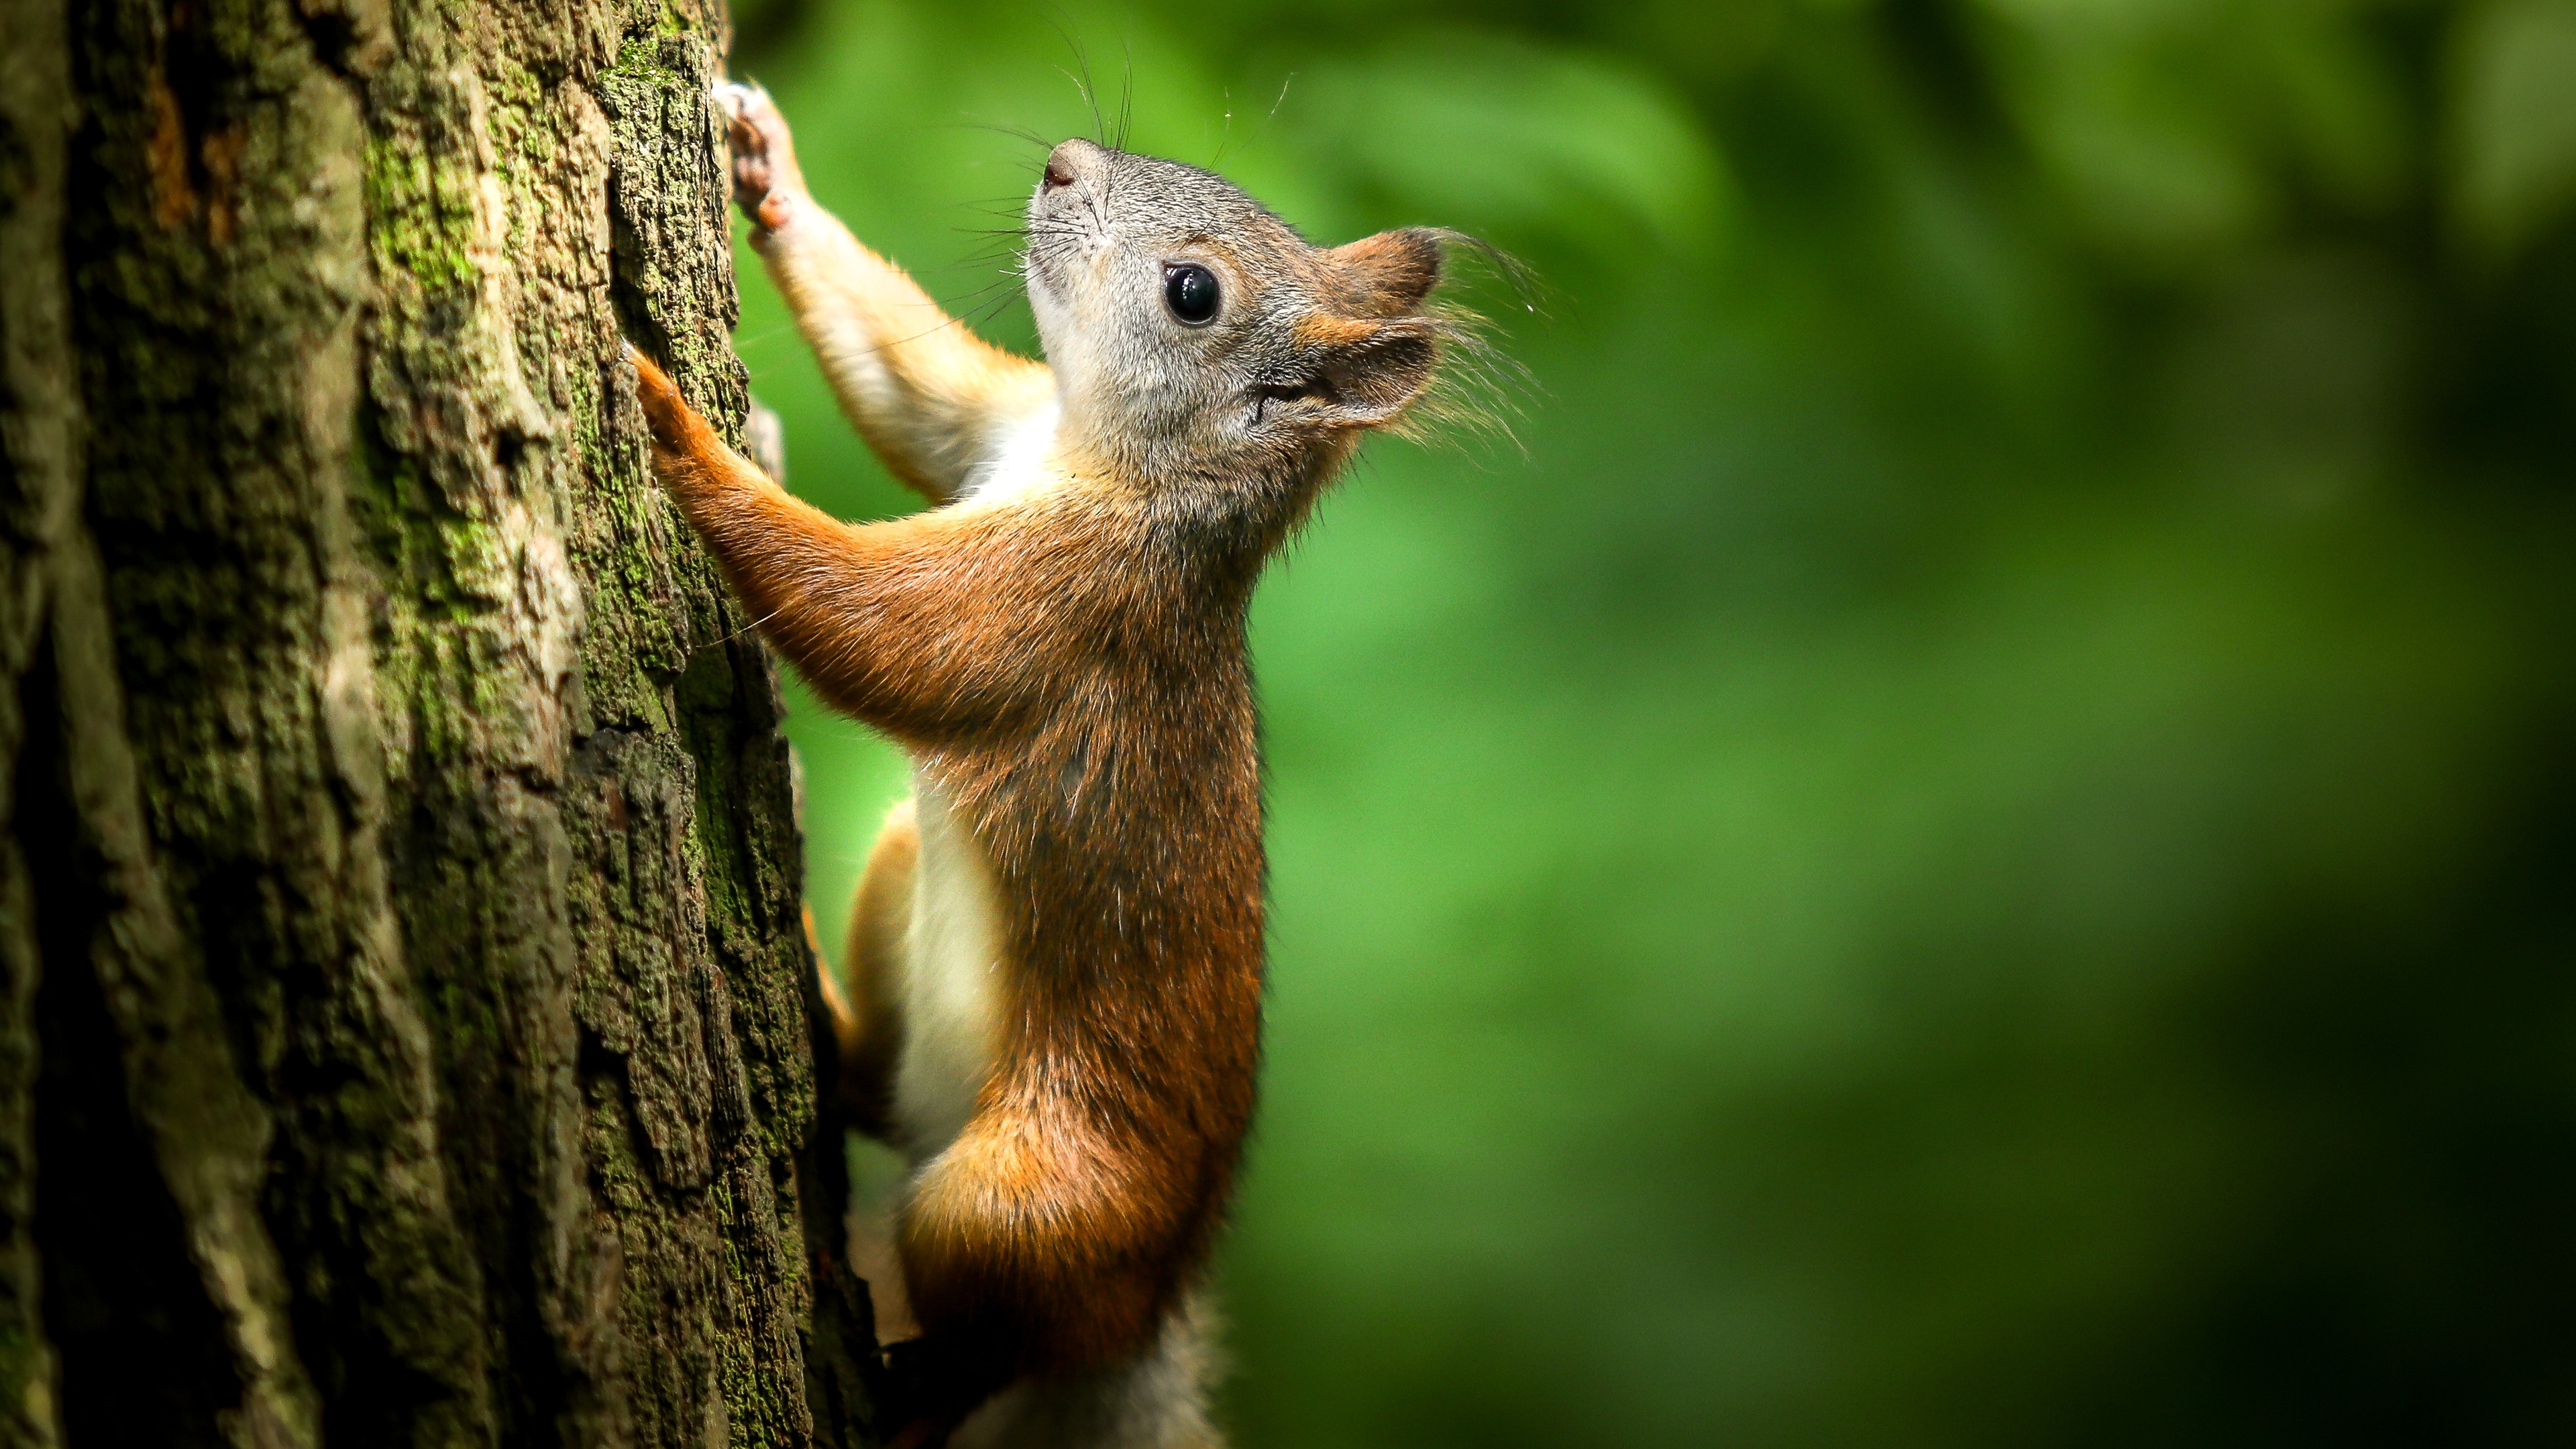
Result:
<point x="436" y="887"/>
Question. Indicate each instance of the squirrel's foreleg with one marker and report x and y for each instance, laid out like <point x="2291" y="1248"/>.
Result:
<point x="885" y="620"/>
<point x="931" y="397"/>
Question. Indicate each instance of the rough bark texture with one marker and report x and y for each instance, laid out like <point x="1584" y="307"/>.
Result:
<point x="404" y="1020"/>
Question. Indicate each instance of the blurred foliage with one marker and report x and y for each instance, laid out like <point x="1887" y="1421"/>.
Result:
<point x="1973" y="846"/>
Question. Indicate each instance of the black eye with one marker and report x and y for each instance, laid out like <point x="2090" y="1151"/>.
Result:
<point x="1190" y="289"/>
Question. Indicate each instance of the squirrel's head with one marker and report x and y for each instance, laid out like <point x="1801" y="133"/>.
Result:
<point x="1181" y="317"/>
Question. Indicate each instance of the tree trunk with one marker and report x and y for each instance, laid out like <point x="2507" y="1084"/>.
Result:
<point x="404" y="1006"/>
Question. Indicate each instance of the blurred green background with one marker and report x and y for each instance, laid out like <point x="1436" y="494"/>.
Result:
<point x="1974" y="845"/>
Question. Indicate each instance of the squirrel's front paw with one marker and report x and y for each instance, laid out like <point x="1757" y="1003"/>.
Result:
<point x="766" y="183"/>
<point x="667" y="415"/>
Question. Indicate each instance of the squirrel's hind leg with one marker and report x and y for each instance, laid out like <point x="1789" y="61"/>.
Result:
<point x="867" y="1000"/>
<point x="867" y="1021"/>
<point x="1157" y="1400"/>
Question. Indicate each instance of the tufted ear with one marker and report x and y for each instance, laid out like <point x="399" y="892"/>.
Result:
<point x="1386" y="275"/>
<point x="1360" y="374"/>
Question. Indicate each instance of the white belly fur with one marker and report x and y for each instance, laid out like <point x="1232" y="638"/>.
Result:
<point x="952" y="989"/>
<point x="1016" y="461"/>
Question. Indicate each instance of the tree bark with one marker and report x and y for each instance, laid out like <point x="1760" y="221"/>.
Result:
<point x="405" y="1014"/>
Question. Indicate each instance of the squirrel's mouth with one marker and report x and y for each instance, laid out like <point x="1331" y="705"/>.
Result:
<point x="1037" y="269"/>
<point x="1052" y="246"/>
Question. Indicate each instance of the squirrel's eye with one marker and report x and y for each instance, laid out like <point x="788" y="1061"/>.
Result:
<point x="1190" y="290"/>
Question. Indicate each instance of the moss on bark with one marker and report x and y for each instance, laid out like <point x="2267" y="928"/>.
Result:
<point x="430" y="868"/>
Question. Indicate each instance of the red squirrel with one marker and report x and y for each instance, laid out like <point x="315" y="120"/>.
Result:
<point x="1053" y="994"/>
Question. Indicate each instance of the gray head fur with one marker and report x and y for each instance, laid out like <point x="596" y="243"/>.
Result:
<point x="1308" y="347"/>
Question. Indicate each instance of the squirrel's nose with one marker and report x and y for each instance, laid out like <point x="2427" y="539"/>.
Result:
<point x="1071" y="161"/>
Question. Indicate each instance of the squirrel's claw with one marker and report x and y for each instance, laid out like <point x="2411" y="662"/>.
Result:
<point x="766" y="182"/>
<point x="733" y="96"/>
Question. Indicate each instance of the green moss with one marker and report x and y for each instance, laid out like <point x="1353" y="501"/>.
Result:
<point x="421" y="216"/>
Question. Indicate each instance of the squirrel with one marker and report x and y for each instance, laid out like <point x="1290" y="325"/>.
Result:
<point x="1052" y="999"/>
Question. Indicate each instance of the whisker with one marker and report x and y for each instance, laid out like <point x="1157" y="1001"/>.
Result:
<point x="754" y="624"/>
<point x="1082" y="82"/>
<point x="1016" y="133"/>
<point x="1126" y="94"/>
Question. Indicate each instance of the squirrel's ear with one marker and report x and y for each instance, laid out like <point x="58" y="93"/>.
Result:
<point x="1387" y="275"/>
<point x="1371" y="371"/>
